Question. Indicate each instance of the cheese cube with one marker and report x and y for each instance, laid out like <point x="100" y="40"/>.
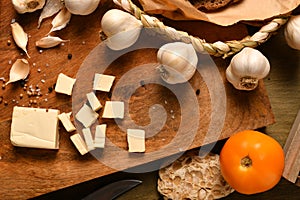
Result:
<point x="35" y="127"/>
<point x="88" y="139"/>
<point x="113" y="109"/>
<point x="93" y="101"/>
<point x="86" y="116"/>
<point x="64" y="84"/>
<point x="99" y="141"/>
<point x="79" y="143"/>
<point x="66" y="121"/>
<point x="103" y="82"/>
<point x="136" y="140"/>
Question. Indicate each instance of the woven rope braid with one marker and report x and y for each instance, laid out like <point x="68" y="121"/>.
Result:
<point x="218" y="49"/>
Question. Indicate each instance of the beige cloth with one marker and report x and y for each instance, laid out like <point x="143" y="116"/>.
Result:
<point x="245" y="10"/>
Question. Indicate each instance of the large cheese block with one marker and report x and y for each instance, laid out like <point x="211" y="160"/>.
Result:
<point x="35" y="127"/>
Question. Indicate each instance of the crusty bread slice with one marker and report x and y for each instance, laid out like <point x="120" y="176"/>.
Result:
<point x="211" y="5"/>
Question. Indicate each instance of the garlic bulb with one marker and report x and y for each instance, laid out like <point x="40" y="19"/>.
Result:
<point x="292" y="32"/>
<point x="23" y="6"/>
<point x="81" y="7"/>
<point x="121" y="28"/>
<point x="247" y="68"/>
<point x="178" y="62"/>
<point x="19" y="70"/>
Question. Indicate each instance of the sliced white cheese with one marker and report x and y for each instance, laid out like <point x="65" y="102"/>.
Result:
<point x="34" y="127"/>
<point x="113" y="109"/>
<point x="64" y="84"/>
<point x="86" y="116"/>
<point x="79" y="143"/>
<point x="88" y="139"/>
<point x="65" y="119"/>
<point x="136" y="140"/>
<point x="99" y="141"/>
<point x="103" y="82"/>
<point x="93" y="101"/>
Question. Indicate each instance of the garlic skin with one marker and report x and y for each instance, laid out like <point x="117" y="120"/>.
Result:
<point x="81" y="7"/>
<point x="178" y="62"/>
<point x="246" y="68"/>
<point x="19" y="71"/>
<point x="292" y="32"/>
<point x="121" y="28"/>
<point x="23" y="6"/>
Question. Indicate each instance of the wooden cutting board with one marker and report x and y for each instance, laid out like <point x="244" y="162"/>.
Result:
<point x="26" y="172"/>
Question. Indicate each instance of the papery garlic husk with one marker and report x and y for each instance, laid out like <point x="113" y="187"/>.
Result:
<point x="246" y="68"/>
<point x="24" y="6"/>
<point x="19" y="35"/>
<point x="81" y="7"/>
<point x="292" y="32"/>
<point x="19" y="70"/>
<point x="52" y="7"/>
<point x="121" y="28"/>
<point x="49" y="42"/>
<point x="178" y="62"/>
<point x="61" y="20"/>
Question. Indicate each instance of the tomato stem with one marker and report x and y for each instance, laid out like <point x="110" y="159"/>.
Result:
<point x="246" y="161"/>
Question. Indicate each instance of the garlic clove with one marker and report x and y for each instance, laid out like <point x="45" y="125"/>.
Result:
<point x="81" y="7"/>
<point x="123" y="39"/>
<point x="19" y="70"/>
<point x="246" y="69"/>
<point x="24" y="6"/>
<point x="20" y="37"/>
<point x="121" y="28"/>
<point x="292" y="32"/>
<point x="61" y="20"/>
<point x="49" y="41"/>
<point x="178" y="62"/>
<point x="52" y="7"/>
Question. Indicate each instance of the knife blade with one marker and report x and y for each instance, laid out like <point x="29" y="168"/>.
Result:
<point x="113" y="190"/>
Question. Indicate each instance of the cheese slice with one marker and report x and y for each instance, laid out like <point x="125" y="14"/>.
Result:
<point x="88" y="139"/>
<point x="86" y="116"/>
<point x="35" y="127"/>
<point x="136" y="140"/>
<point x="93" y="101"/>
<point x="113" y="109"/>
<point x="64" y="84"/>
<point x="65" y="119"/>
<point x="99" y="141"/>
<point x="79" y="143"/>
<point x="103" y="82"/>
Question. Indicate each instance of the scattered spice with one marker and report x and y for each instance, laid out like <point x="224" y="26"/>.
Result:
<point x="197" y="92"/>
<point x="3" y="87"/>
<point x="70" y="56"/>
<point x="43" y="81"/>
<point x="21" y="96"/>
<point x="8" y="43"/>
<point x="50" y="89"/>
<point x="5" y="103"/>
<point x="39" y="70"/>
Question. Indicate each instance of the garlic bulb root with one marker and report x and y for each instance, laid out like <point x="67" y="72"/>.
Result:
<point x="178" y="62"/>
<point x="81" y="7"/>
<point x="292" y="32"/>
<point x="246" y="69"/>
<point x="121" y="28"/>
<point x="23" y="6"/>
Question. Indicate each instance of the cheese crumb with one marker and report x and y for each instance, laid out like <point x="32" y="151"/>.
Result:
<point x="136" y="140"/>
<point x="113" y="109"/>
<point x="86" y="116"/>
<point x="66" y="121"/>
<point x="88" y="139"/>
<point x="93" y="101"/>
<point x="99" y="141"/>
<point x="64" y="84"/>
<point x="79" y="143"/>
<point x="103" y="82"/>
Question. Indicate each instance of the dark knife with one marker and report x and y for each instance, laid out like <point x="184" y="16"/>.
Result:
<point x="113" y="190"/>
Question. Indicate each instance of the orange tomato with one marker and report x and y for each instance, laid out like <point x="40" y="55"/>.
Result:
<point x="251" y="162"/>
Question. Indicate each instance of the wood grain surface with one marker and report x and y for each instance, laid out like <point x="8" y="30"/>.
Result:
<point x="27" y="173"/>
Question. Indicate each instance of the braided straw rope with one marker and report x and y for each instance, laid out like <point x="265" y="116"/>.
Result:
<point x="218" y="48"/>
